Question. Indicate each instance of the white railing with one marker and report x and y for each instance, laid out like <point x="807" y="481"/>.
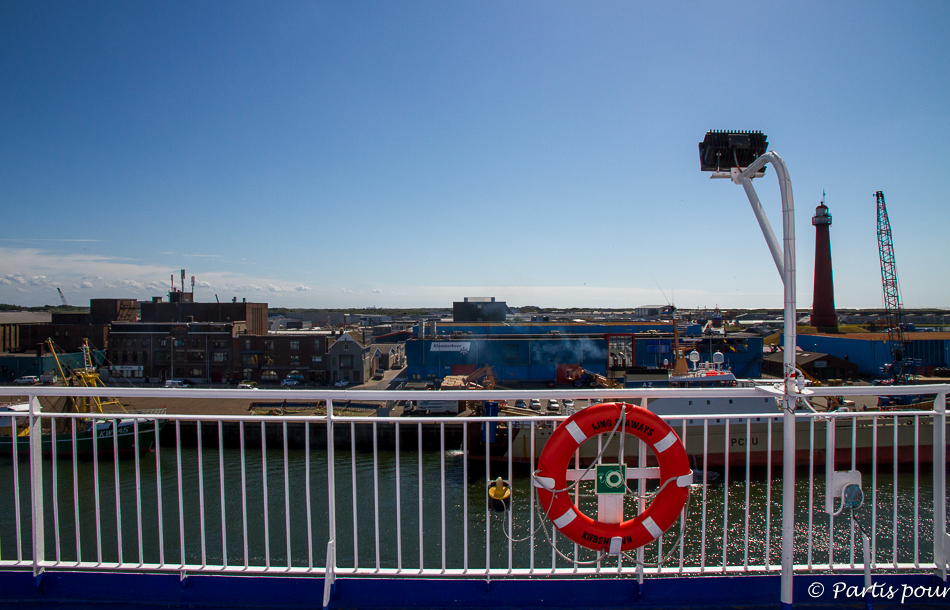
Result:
<point x="346" y="495"/>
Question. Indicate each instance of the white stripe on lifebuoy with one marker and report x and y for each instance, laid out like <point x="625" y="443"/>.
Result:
<point x="665" y="443"/>
<point x="565" y="519"/>
<point x="652" y="527"/>
<point x="576" y="432"/>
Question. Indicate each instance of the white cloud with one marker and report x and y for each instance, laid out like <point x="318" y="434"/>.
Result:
<point x="347" y="291"/>
<point x="274" y="288"/>
<point x="377" y="291"/>
<point x="302" y="288"/>
<point x="86" y="284"/>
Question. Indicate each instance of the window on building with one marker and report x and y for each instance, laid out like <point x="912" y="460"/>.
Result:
<point x="294" y="359"/>
<point x="247" y="344"/>
<point x="250" y="360"/>
<point x="295" y="345"/>
<point x="511" y="351"/>
<point x="220" y="356"/>
<point x="269" y="345"/>
<point x="316" y="359"/>
<point x="220" y="343"/>
<point x="163" y="343"/>
<point x="346" y="346"/>
<point x="316" y="344"/>
<point x="268" y="360"/>
<point x="196" y="372"/>
<point x="179" y="343"/>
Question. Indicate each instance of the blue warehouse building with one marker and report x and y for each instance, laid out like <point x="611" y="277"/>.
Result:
<point x="871" y="351"/>
<point x="535" y="353"/>
<point x="564" y="328"/>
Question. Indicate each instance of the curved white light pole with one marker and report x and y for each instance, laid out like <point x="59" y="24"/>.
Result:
<point x="785" y="263"/>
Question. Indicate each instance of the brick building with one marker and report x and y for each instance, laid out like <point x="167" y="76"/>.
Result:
<point x="274" y="357"/>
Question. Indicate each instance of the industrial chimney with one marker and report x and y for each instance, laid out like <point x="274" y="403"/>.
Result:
<point x="823" y="314"/>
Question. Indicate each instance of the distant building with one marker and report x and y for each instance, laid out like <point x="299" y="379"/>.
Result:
<point x="270" y="358"/>
<point x="180" y="308"/>
<point x="521" y="354"/>
<point x="350" y="360"/>
<point x="479" y="309"/>
<point x="870" y="351"/>
<point x="155" y="352"/>
<point x="652" y="311"/>
<point x="820" y="366"/>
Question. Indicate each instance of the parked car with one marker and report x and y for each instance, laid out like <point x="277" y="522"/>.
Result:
<point x="568" y="403"/>
<point x="520" y="404"/>
<point x="27" y="380"/>
<point x="552" y="405"/>
<point x="179" y="383"/>
<point x="289" y="383"/>
<point x="379" y="374"/>
<point x="535" y="404"/>
<point x="247" y="385"/>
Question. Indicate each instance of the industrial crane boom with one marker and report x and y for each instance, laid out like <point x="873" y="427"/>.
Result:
<point x="892" y="300"/>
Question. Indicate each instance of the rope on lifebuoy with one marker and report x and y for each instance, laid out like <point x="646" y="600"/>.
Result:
<point x="614" y="538"/>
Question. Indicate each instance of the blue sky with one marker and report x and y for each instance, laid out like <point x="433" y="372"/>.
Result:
<point x="409" y="154"/>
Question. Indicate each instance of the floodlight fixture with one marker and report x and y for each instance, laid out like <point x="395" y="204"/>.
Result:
<point x="723" y="151"/>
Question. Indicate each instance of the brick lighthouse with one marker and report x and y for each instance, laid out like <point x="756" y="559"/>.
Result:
<point x="823" y="314"/>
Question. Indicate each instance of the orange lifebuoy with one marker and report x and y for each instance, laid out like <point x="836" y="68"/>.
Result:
<point x="551" y="478"/>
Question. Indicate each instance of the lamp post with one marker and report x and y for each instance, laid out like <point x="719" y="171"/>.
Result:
<point x="740" y="157"/>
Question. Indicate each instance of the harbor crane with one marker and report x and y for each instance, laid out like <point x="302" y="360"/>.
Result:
<point x="892" y="300"/>
<point x="62" y="298"/>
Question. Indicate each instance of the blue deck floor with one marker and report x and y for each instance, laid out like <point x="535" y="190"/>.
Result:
<point x="82" y="590"/>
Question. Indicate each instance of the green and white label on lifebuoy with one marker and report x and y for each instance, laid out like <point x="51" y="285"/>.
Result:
<point x="611" y="479"/>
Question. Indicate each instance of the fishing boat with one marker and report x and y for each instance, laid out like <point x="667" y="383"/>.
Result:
<point x="136" y="431"/>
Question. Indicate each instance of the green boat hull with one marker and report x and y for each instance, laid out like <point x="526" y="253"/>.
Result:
<point x="125" y="442"/>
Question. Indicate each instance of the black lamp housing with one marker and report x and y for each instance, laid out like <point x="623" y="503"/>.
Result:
<point x="721" y="151"/>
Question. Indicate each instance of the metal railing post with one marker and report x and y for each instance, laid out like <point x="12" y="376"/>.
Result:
<point x="36" y="485"/>
<point x="941" y="544"/>
<point x="330" y="572"/>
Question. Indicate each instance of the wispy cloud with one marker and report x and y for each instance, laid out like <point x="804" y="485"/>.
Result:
<point x="38" y="239"/>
